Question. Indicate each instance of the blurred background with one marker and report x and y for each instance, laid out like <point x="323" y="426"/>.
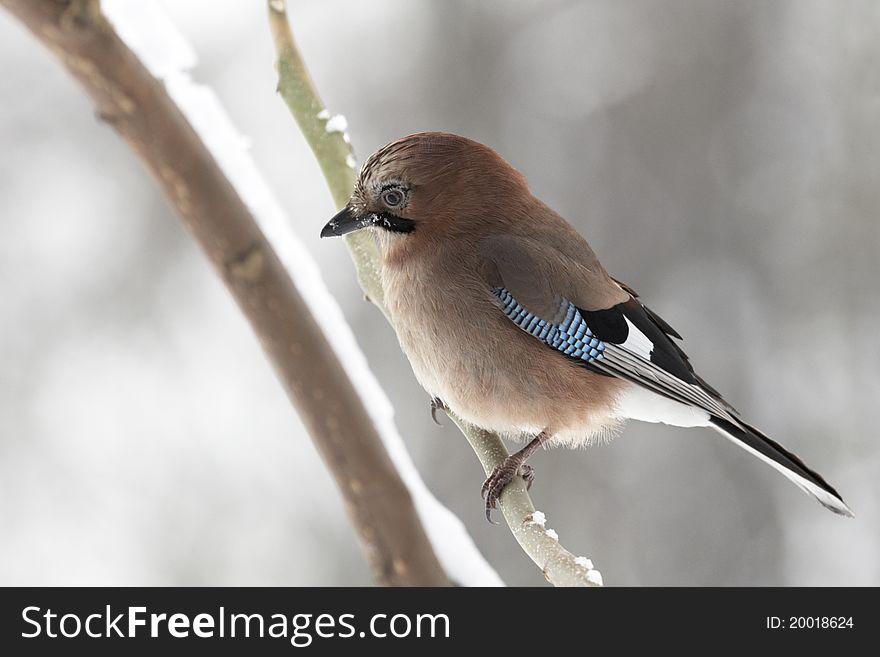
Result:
<point x="723" y="158"/>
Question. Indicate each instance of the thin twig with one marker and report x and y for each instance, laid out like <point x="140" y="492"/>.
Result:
<point x="139" y="108"/>
<point x="333" y="152"/>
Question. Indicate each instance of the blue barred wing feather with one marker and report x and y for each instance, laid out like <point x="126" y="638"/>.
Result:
<point x="571" y="336"/>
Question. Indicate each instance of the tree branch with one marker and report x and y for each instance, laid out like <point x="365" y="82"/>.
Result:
<point x="333" y="152"/>
<point x="331" y="146"/>
<point x="139" y="108"/>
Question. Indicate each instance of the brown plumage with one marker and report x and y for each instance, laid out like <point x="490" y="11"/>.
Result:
<point x="506" y="314"/>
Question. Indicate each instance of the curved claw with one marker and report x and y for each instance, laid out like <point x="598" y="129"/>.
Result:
<point x="437" y="405"/>
<point x="484" y="494"/>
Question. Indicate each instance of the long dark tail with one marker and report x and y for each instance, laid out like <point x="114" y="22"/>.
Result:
<point x="769" y="451"/>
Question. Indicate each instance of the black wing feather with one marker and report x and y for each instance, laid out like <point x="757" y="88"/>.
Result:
<point x="666" y="354"/>
<point x="610" y="325"/>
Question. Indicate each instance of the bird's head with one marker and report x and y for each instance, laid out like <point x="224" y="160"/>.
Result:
<point x="427" y="185"/>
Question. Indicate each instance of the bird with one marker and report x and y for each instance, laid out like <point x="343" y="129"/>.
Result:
<point x="509" y="320"/>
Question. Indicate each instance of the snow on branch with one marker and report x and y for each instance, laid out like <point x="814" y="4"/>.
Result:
<point x="157" y="42"/>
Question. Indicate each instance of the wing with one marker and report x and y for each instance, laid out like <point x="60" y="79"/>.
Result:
<point x="580" y="311"/>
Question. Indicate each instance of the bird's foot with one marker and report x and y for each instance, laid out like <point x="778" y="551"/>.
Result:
<point x="503" y="474"/>
<point x="437" y="404"/>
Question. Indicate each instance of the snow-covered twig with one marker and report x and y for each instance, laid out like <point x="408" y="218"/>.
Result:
<point x="560" y="567"/>
<point x="331" y="145"/>
<point x="180" y="132"/>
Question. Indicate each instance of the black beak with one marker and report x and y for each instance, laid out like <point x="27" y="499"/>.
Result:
<point x="345" y="222"/>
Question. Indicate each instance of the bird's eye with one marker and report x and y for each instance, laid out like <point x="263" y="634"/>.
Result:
<point x="392" y="198"/>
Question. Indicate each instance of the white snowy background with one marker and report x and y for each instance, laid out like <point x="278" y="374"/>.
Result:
<point x="722" y="157"/>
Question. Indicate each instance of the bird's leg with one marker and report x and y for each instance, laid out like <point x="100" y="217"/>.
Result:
<point x="437" y="404"/>
<point x="503" y="473"/>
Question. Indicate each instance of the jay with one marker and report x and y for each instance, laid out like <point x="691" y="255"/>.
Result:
<point x="507" y="316"/>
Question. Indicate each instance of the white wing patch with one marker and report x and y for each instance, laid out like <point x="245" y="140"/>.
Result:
<point x="637" y="342"/>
